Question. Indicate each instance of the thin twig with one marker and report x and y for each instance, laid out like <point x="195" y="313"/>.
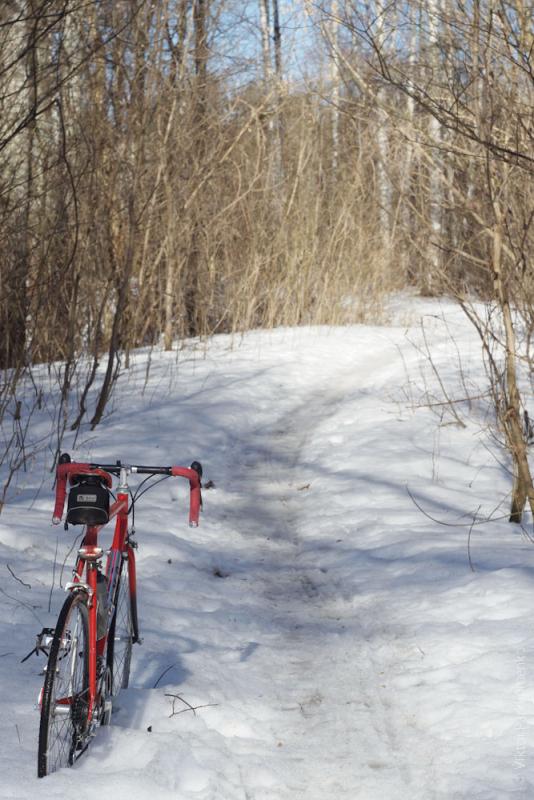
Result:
<point x="466" y="399"/>
<point x="28" y="586"/>
<point x="435" y="370"/>
<point x="163" y="674"/>
<point x="469" y="540"/>
<point x="454" y="524"/>
<point x="499" y="462"/>
<point x="178" y="697"/>
<point x="73" y="545"/>
<point x="189" y="706"/>
<point x="528" y="535"/>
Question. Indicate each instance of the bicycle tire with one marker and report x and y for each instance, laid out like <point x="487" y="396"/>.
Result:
<point x="63" y="729"/>
<point x="122" y="632"/>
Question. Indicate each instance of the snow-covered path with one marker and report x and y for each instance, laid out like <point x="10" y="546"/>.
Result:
<point x="333" y="640"/>
<point x="336" y="734"/>
<point x="313" y="662"/>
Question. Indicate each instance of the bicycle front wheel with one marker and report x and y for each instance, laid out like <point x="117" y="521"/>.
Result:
<point x="63" y="731"/>
<point x="122" y="632"/>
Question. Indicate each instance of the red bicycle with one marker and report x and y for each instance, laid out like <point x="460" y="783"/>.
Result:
<point x="89" y="650"/>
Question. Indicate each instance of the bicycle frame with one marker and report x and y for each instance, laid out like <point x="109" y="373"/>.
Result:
<point x="90" y="554"/>
<point x="89" y="557"/>
<point x="90" y="648"/>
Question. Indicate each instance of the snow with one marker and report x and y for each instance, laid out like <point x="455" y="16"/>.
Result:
<point x="333" y="639"/>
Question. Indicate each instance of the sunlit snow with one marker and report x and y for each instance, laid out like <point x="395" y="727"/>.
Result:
<point x="334" y="640"/>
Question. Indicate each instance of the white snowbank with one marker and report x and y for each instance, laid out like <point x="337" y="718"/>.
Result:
<point x="335" y="640"/>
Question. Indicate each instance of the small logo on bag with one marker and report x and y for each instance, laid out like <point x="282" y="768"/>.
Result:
<point x="86" y="498"/>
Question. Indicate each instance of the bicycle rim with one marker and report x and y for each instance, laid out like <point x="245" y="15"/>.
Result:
<point x="63" y="731"/>
<point x="121" y="634"/>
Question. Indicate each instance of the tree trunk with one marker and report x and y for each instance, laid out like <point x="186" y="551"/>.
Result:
<point x="435" y="184"/>
<point x="522" y="488"/>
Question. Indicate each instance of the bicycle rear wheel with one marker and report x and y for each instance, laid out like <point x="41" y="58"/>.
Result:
<point x="63" y="731"/>
<point x="123" y="631"/>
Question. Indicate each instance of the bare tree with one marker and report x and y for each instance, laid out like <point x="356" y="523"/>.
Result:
<point x="473" y="90"/>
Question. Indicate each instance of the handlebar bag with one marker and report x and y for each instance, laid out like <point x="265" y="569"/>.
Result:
<point x="88" y="502"/>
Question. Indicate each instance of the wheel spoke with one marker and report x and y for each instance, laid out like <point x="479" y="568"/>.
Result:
<point x="65" y="694"/>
